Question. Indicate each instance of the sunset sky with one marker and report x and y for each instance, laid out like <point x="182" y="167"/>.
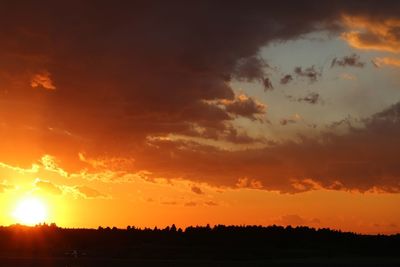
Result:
<point x="117" y="113"/>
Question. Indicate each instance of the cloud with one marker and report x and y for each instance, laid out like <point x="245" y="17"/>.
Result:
<point x="211" y="203"/>
<point x="267" y="84"/>
<point x="197" y="190"/>
<point x="182" y="202"/>
<point x="309" y="73"/>
<point x="311" y="98"/>
<point x="172" y="203"/>
<point x="89" y="192"/>
<point x="348" y="76"/>
<point x="33" y="169"/>
<point x="246" y="182"/>
<point x="362" y="159"/>
<point x="345" y="123"/>
<point x="293" y="119"/>
<point x="380" y="34"/>
<point x="348" y="61"/>
<point x="386" y="61"/>
<point x="48" y="187"/>
<point x="43" y="80"/>
<point x="49" y="163"/>
<point x="145" y="71"/>
<point x="190" y="204"/>
<point x="245" y="106"/>
<point x="128" y="85"/>
<point x="250" y="69"/>
<point x="206" y="203"/>
<point x="77" y="191"/>
<point x="374" y="64"/>
<point x="286" y="79"/>
<point x="106" y="163"/>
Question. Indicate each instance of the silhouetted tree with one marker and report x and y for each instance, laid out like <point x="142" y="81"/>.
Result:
<point x="220" y="241"/>
<point x="173" y="228"/>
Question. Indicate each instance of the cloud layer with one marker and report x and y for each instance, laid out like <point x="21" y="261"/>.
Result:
<point x="123" y="81"/>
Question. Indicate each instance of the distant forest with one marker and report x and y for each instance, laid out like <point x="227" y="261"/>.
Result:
<point x="202" y="242"/>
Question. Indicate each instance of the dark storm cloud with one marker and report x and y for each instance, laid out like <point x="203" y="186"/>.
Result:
<point x="250" y="69"/>
<point x="240" y="137"/>
<point x="363" y="159"/>
<point x="108" y="76"/>
<point x="117" y="73"/>
<point x="348" y="61"/>
<point x="245" y="106"/>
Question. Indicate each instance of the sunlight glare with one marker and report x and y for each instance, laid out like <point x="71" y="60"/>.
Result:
<point x="30" y="211"/>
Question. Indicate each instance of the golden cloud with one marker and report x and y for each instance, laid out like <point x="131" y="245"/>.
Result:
<point x="365" y="33"/>
<point x="389" y="61"/>
<point x="42" y="79"/>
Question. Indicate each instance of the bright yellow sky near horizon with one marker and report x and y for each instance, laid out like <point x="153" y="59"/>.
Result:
<point x="161" y="203"/>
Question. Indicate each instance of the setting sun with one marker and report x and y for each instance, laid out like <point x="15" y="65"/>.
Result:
<point x="30" y="211"/>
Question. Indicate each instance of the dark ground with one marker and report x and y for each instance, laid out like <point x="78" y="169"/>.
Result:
<point x="47" y="246"/>
<point x="103" y="262"/>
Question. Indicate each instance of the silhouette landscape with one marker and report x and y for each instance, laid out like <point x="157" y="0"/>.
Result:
<point x="203" y="132"/>
<point x="220" y="245"/>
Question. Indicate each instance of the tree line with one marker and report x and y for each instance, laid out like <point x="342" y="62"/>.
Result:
<point x="216" y="242"/>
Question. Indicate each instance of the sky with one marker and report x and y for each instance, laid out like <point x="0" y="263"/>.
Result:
<point x="154" y="113"/>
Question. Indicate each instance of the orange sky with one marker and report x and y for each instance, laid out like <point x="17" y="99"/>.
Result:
<point x="202" y="114"/>
<point x="160" y="203"/>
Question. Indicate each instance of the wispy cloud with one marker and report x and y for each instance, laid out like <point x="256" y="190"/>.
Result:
<point x="352" y="60"/>
<point x="387" y="61"/>
<point x="310" y="73"/>
<point x="42" y="79"/>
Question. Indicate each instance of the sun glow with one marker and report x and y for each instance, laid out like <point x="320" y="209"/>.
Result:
<point x="30" y="211"/>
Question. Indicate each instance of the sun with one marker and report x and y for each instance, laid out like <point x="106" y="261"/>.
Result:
<point x="30" y="211"/>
